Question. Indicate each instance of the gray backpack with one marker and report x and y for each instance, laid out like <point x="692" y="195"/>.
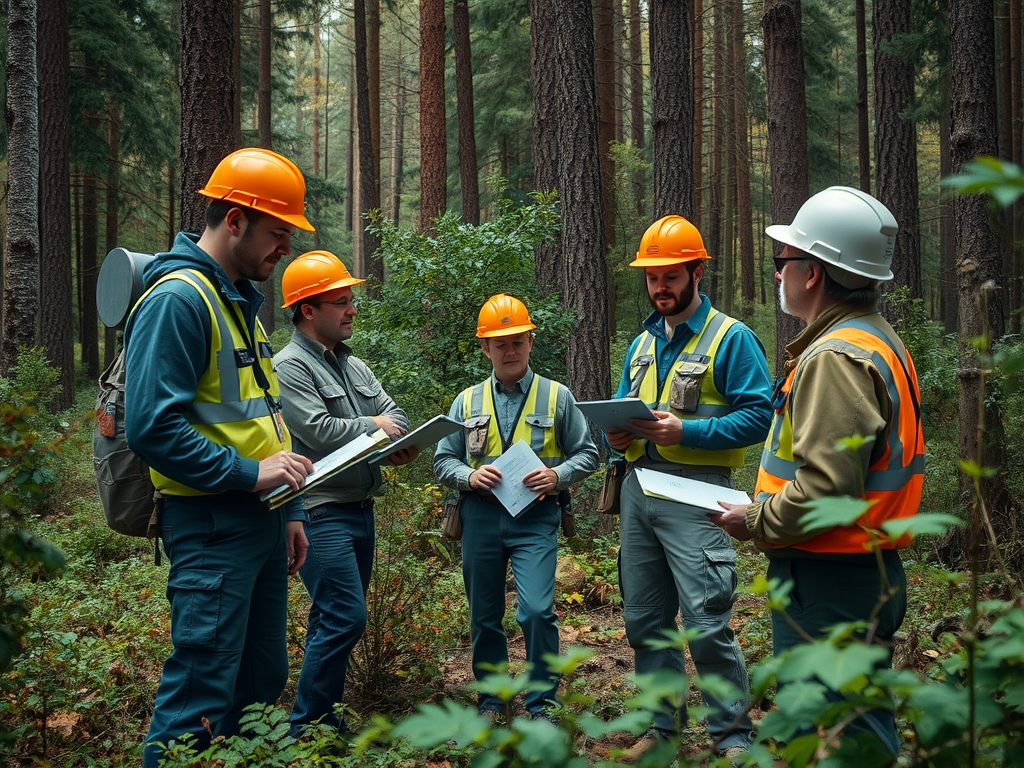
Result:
<point x="130" y="502"/>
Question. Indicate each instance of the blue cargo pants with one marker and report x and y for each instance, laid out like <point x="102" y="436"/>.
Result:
<point x="228" y="589"/>
<point x="491" y="538"/>
<point x="336" y="574"/>
<point x="674" y="559"/>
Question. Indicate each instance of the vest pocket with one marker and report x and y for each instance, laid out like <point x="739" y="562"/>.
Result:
<point x="195" y="607"/>
<point x="686" y="384"/>
<point x="719" y="579"/>
<point x="476" y="434"/>
<point x="540" y="420"/>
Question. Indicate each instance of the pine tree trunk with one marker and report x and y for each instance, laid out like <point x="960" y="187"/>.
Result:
<point x="268" y="309"/>
<point x="604" y="34"/>
<point x="464" y="103"/>
<point x="369" y="189"/>
<point x="90" y="246"/>
<point x="545" y="77"/>
<point x="433" y="138"/>
<point x="1016" y="139"/>
<point x="896" y="144"/>
<point x="21" y="239"/>
<point x="717" y="197"/>
<point x="698" y="114"/>
<point x="316" y="92"/>
<point x="741" y="155"/>
<point x="208" y="118"/>
<point x="351" y="179"/>
<point x="583" y="274"/>
<point x="398" y="139"/>
<point x="636" y="99"/>
<point x="672" y="107"/>
<point x="112" y="219"/>
<point x="974" y="132"/>
<point x="863" y="135"/>
<point x="787" y="132"/>
<point x="56" y="322"/>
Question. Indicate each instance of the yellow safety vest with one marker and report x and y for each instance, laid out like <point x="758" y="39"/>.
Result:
<point x="535" y="426"/>
<point x="696" y="358"/>
<point x="230" y="408"/>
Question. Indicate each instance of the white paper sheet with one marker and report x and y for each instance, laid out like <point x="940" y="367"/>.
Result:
<point x="515" y="464"/>
<point x="350" y="453"/>
<point x="686" y="490"/>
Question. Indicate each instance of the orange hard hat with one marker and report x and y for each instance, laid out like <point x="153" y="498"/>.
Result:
<point x="503" y="315"/>
<point x="670" y="240"/>
<point x="263" y="180"/>
<point x="312" y="273"/>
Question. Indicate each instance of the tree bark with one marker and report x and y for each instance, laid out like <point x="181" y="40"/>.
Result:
<point x="112" y="219"/>
<point x="466" y="119"/>
<point x="398" y="139"/>
<point x="604" y="33"/>
<point x="636" y="99"/>
<point x="947" y="278"/>
<point x="1016" y="142"/>
<point x="896" y="144"/>
<point x="315" y="106"/>
<point x="863" y="134"/>
<point x="698" y="114"/>
<point x="545" y="76"/>
<point x="56" y="326"/>
<point x="267" y="311"/>
<point x="787" y="132"/>
<point x="21" y="239"/>
<point x="208" y="118"/>
<point x="583" y="273"/>
<point x="672" y="107"/>
<point x="433" y="138"/>
<point x="974" y="132"/>
<point x="90" y="246"/>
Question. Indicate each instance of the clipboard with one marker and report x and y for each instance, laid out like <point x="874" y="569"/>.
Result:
<point x="614" y="415"/>
<point x="424" y="436"/>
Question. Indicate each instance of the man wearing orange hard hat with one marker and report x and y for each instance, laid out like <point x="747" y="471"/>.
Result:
<point x="330" y="397"/>
<point x="705" y="377"/>
<point x="202" y="410"/>
<point x="514" y="404"/>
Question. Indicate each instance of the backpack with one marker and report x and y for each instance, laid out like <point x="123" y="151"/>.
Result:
<point x="131" y="504"/>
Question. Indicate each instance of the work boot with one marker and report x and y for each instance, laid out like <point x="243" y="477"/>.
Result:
<point x="645" y="743"/>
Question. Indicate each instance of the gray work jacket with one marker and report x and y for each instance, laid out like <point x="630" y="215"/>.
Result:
<point x="329" y="398"/>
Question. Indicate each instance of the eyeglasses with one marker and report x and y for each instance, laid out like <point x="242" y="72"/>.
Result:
<point x="339" y="303"/>
<point x="780" y="261"/>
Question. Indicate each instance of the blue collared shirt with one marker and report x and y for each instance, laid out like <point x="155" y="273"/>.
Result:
<point x="741" y="375"/>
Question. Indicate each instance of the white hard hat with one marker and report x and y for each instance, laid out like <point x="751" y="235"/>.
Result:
<point x="846" y="228"/>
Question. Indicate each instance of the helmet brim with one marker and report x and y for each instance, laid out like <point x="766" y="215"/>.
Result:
<point x="665" y="262"/>
<point x="295" y="219"/>
<point x="506" y="331"/>
<point x="346" y="282"/>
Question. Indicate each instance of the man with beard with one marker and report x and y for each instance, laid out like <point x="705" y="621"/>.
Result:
<point x="202" y="409"/>
<point x="848" y="373"/>
<point x="705" y="376"/>
<point x="331" y="397"/>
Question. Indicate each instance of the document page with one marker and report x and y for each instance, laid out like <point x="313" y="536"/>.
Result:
<point x="343" y="458"/>
<point x="515" y="464"/>
<point x="686" y="490"/>
<point x="422" y="437"/>
<point x="613" y="415"/>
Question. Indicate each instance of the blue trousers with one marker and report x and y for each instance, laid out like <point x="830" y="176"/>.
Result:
<point x="828" y="592"/>
<point x="491" y="538"/>
<point x="336" y="574"/>
<point x="228" y="589"/>
<point x="674" y="559"/>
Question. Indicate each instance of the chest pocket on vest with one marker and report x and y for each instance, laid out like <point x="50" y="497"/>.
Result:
<point x="540" y="420"/>
<point x="476" y="434"/>
<point x="637" y="370"/>
<point x="686" y="383"/>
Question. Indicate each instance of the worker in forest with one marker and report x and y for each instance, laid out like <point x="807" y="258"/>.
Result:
<point x="514" y="404"/>
<point x="847" y="375"/>
<point x="202" y="410"/>
<point x="705" y="376"/>
<point x="330" y="397"/>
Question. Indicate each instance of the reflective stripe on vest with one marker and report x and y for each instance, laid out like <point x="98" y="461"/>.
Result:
<point x="894" y="480"/>
<point x="535" y="427"/>
<point x="229" y="407"/>
<point x="711" y="403"/>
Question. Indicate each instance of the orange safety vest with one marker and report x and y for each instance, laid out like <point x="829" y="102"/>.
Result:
<point x="894" y="479"/>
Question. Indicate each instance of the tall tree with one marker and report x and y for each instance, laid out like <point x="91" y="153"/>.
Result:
<point x="433" y="137"/>
<point x="398" y="138"/>
<point x="896" y="139"/>
<point x="584" y="276"/>
<point x="863" y="134"/>
<point x="113" y="221"/>
<point x="974" y="132"/>
<point x="545" y="77"/>
<point x="672" y="107"/>
<point x="787" y="131"/>
<point x="741" y="155"/>
<point x="1017" y="150"/>
<point x="55" y="313"/>
<point x="21" y="240"/>
<point x="208" y="118"/>
<point x="698" y="113"/>
<point x="267" y="287"/>
<point x="466" y="116"/>
<point x="369" y="187"/>
<point x="604" y="30"/>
